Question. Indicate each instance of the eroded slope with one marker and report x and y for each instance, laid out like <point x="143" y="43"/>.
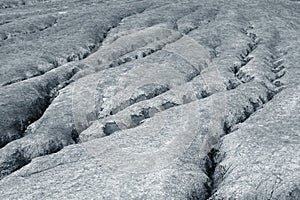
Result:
<point x="139" y="100"/>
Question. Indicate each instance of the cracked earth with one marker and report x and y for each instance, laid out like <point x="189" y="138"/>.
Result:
<point x="135" y="99"/>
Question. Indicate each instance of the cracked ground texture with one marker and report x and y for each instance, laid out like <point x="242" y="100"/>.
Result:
<point x="135" y="99"/>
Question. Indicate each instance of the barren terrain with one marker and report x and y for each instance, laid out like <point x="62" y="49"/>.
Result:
<point x="137" y="99"/>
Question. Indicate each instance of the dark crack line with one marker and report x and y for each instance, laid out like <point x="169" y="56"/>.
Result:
<point x="51" y="96"/>
<point x="5" y="22"/>
<point x="145" y="52"/>
<point x="111" y="127"/>
<point x="70" y="57"/>
<point x="213" y="161"/>
<point x="125" y="59"/>
<point x="145" y="115"/>
<point x="148" y="51"/>
<point x="12" y="35"/>
<point x="4" y="6"/>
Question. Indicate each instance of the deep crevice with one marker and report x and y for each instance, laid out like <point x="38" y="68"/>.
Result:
<point x="138" y="119"/>
<point x="210" y="167"/>
<point x="229" y="128"/>
<point x="8" y="168"/>
<point x="77" y="56"/>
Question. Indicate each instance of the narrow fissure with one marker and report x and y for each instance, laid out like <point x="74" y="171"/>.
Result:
<point x="71" y="57"/>
<point x="138" y="119"/>
<point x="212" y="161"/>
<point x="48" y="96"/>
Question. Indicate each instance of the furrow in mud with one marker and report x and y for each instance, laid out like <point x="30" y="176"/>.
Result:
<point x="74" y="57"/>
<point x="149" y="100"/>
<point x="198" y="87"/>
<point x="273" y="62"/>
<point x="39" y="92"/>
<point x="44" y="89"/>
<point x="182" y="160"/>
<point x="68" y="135"/>
<point x="31" y="27"/>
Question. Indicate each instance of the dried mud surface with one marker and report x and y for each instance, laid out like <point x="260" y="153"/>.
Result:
<point x="149" y="99"/>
